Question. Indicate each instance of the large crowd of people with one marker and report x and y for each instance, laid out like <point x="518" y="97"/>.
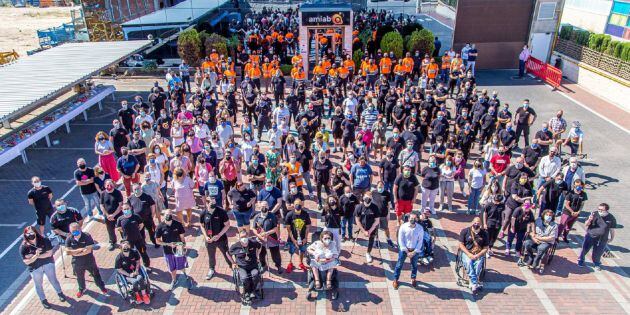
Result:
<point x="235" y="139"/>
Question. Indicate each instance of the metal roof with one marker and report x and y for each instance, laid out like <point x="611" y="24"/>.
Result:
<point x="33" y="79"/>
<point x="183" y="13"/>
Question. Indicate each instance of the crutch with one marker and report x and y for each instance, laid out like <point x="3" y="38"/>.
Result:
<point x="378" y="244"/>
<point x="354" y="242"/>
<point x="63" y="261"/>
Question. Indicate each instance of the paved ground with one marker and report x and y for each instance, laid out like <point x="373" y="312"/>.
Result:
<point x="564" y="288"/>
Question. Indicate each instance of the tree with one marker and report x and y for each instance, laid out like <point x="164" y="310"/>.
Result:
<point x="392" y="41"/>
<point x="203" y="35"/>
<point x="218" y="42"/>
<point x="357" y="56"/>
<point x="421" y="41"/>
<point x="189" y="46"/>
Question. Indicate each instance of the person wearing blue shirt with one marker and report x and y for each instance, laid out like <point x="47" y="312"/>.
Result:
<point x="272" y="195"/>
<point x="361" y="177"/>
<point x="128" y="166"/>
<point x="214" y="189"/>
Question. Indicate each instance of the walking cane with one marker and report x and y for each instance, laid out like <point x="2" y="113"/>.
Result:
<point x="63" y="261"/>
<point x="378" y="244"/>
<point x="354" y="242"/>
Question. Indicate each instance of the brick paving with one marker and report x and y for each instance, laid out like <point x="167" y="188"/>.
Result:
<point x="564" y="288"/>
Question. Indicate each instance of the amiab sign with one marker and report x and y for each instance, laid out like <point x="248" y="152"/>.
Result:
<point x="326" y="18"/>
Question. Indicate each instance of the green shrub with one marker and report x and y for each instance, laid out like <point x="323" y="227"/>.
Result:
<point x="365" y="36"/>
<point x="357" y="56"/>
<point x="605" y="42"/>
<point x="393" y="41"/>
<point x="216" y="41"/>
<point x="582" y="37"/>
<point x="618" y="50"/>
<point x="203" y="36"/>
<point x="625" y="54"/>
<point x="189" y="46"/>
<point x="610" y="49"/>
<point x="286" y="69"/>
<point x="381" y="31"/>
<point x="566" y="31"/>
<point x="595" y="40"/>
<point x="422" y="41"/>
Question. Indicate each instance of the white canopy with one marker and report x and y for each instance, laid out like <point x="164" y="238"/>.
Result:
<point x="32" y="79"/>
<point x="181" y="14"/>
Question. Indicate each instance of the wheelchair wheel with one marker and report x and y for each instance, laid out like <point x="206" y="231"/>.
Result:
<point x="237" y="283"/>
<point x="550" y="253"/>
<point x="123" y="289"/>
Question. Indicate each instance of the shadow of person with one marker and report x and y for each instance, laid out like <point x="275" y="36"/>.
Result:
<point x="359" y="297"/>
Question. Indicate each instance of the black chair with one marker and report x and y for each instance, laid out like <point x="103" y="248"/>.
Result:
<point x="462" y="274"/>
<point x="239" y="285"/>
<point x="125" y="289"/>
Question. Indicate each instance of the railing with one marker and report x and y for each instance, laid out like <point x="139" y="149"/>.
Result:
<point x="602" y="61"/>
<point x="544" y="71"/>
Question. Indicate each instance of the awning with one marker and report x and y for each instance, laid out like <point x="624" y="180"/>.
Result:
<point x="34" y="79"/>
<point x="181" y="15"/>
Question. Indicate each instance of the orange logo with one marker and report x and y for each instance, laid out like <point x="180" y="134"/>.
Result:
<point x="337" y="19"/>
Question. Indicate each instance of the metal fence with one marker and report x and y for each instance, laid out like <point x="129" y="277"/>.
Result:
<point x="594" y="58"/>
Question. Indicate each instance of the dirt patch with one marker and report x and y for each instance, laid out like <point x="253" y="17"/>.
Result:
<point x="20" y="25"/>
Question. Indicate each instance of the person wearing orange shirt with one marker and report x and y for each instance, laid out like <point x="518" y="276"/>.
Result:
<point x="408" y="63"/>
<point x="255" y="58"/>
<point x="214" y="56"/>
<point x="349" y="65"/>
<point x="386" y="66"/>
<point x="323" y="45"/>
<point x="446" y="67"/>
<point x="432" y="69"/>
<point x="290" y="43"/>
<point x="230" y="74"/>
<point x="400" y="70"/>
<point x="298" y="75"/>
<point x="296" y="60"/>
<point x="319" y="69"/>
<point x="267" y="69"/>
<point x="206" y="65"/>
<point x="372" y="75"/>
<point x="456" y="62"/>
<point x="326" y="64"/>
<point x="255" y="74"/>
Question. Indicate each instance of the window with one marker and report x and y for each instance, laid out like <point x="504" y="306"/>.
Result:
<point x="547" y="11"/>
<point x="618" y="19"/>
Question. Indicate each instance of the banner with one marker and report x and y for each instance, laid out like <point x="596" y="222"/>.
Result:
<point x="336" y="18"/>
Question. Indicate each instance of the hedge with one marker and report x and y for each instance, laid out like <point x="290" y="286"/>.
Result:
<point x="392" y="42"/>
<point x="189" y="47"/>
<point x="422" y="41"/>
<point x="599" y="42"/>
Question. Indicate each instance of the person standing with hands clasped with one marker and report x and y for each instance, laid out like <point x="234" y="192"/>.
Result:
<point x="366" y="218"/>
<point x="214" y="222"/>
<point x="600" y="231"/>
<point x="79" y="245"/>
<point x="410" y="240"/>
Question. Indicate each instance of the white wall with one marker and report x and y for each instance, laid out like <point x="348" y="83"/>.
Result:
<point x="591" y="15"/>
<point x="601" y="86"/>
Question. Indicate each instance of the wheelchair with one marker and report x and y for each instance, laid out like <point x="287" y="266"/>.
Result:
<point x="310" y="280"/>
<point x="239" y="286"/>
<point x="125" y="289"/>
<point x="545" y="261"/>
<point x="460" y="270"/>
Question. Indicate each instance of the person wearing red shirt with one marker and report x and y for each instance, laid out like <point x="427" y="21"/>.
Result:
<point x="499" y="164"/>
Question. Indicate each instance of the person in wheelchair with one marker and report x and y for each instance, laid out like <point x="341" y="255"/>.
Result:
<point x="324" y="257"/>
<point x="540" y="240"/>
<point x="245" y="254"/>
<point x="473" y="243"/>
<point x="128" y="265"/>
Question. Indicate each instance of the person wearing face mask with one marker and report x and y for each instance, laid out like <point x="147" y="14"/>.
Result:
<point x="473" y="244"/>
<point x="366" y="216"/>
<point x="214" y="223"/>
<point x="600" y="231"/>
<point x="36" y="252"/>
<point x="382" y="199"/>
<point x="84" y="178"/>
<point x="168" y="234"/>
<point x="545" y="138"/>
<point x="551" y="193"/>
<point x="573" y="204"/>
<point x="322" y="168"/>
<point x="40" y="197"/>
<point x="532" y="154"/>
<point x="410" y="241"/>
<point x="137" y="147"/>
<point x="361" y="176"/>
<point x="409" y="157"/>
<point x="297" y="222"/>
<point x="242" y="200"/>
<point x="332" y="213"/>
<point x="525" y="117"/>
<point x="520" y="192"/>
<point x="183" y="186"/>
<point x="541" y="238"/>
<point x="111" y="201"/>
<point x="439" y="127"/>
<point x="447" y="184"/>
<point x="245" y="255"/>
<point x="549" y="166"/>
<point x="128" y="167"/>
<point x="430" y="184"/>
<point x="104" y="148"/>
<point x="119" y="137"/>
<point x="130" y="226"/>
<point x="574" y="139"/>
<point x="492" y="217"/>
<point x="79" y="245"/>
<point x="163" y="124"/>
<point x="572" y="172"/>
<point x="126" y="115"/>
<point x="499" y="164"/>
<point x="522" y="221"/>
<point x="514" y="171"/>
<point x="324" y="255"/>
<point x="476" y="182"/>
<point x="264" y="225"/>
<point x="144" y="206"/>
<point x="348" y="126"/>
<point x="127" y="264"/>
<point x="62" y="218"/>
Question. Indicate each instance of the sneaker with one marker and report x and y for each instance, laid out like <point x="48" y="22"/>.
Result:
<point x="507" y="252"/>
<point x="501" y="235"/>
<point x="414" y="283"/>
<point x="424" y="260"/>
<point x="146" y="298"/>
<point x="368" y="258"/>
<point x="138" y="298"/>
<point x="395" y="284"/>
<point x="302" y="267"/>
<point x="104" y="291"/>
<point x="391" y="243"/>
<point x="580" y="263"/>
<point x="62" y="297"/>
<point x="280" y="270"/>
<point x="598" y="267"/>
<point x="210" y="274"/>
<point x="79" y="294"/>
<point x="430" y="259"/>
<point x="45" y="304"/>
<point x="475" y="288"/>
<point x="111" y="247"/>
<point x="289" y="268"/>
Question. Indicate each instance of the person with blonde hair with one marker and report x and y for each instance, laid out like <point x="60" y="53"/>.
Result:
<point x="183" y="186"/>
<point x="105" y="151"/>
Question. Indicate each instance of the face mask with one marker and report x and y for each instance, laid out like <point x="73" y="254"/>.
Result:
<point x="448" y="163"/>
<point x="578" y="188"/>
<point x="476" y="227"/>
<point x="152" y="161"/>
<point x="294" y="191"/>
<point x="124" y="106"/>
<point x="432" y="164"/>
<point x="137" y="192"/>
<point x="396" y="135"/>
<point x="326" y="241"/>
<point x="522" y="181"/>
<point x="573" y="165"/>
<point x="268" y="188"/>
<point x="76" y="233"/>
<point x="412" y="221"/>
<point x="407" y="173"/>
<point x="127" y="212"/>
<point x="126" y="251"/>
<point x="558" y="181"/>
<point x="298" y="208"/>
<point x="495" y="142"/>
<point x="367" y="201"/>
<point x="525" y="105"/>
<point x="212" y="179"/>
<point x="440" y="117"/>
<point x="501" y="152"/>
<point x="168" y="219"/>
<point x="244" y="240"/>
<point x="82" y="166"/>
<point x="37" y="184"/>
<point x="255" y="162"/>
<point x="547" y="218"/>
<point x="602" y="213"/>
<point x="348" y="194"/>
<point x="163" y="115"/>
<point x="380" y="190"/>
<point x="519" y="165"/>
<point x="61" y="208"/>
<point x="30" y="237"/>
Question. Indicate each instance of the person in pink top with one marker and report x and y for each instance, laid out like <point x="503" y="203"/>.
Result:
<point x="202" y="172"/>
<point x="229" y="173"/>
<point x="105" y="151"/>
<point x="186" y="118"/>
<point x="195" y="144"/>
<point x="183" y="187"/>
<point x="180" y="161"/>
<point x="460" y="172"/>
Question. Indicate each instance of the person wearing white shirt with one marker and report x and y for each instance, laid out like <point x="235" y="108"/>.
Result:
<point x="225" y="131"/>
<point x="275" y="134"/>
<point x="350" y="104"/>
<point x="281" y="113"/>
<point x="522" y="59"/>
<point x="410" y="237"/>
<point x="548" y="167"/>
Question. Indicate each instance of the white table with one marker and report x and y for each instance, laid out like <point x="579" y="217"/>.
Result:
<point x="19" y="149"/>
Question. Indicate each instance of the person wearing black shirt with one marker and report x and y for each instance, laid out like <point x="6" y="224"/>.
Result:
<point x="348" y="202"/>
<point x="169" y="233"/>
<point x="62" y="218"/>
<point x="404" y="192"/>
<point x="473" y="244"/>
<point x="322" y="167"/>
<point x="84" y="178"/>
<point x="492" y="217"/>
<point x="111" y="205"/>
<point x="79" y="245"/>
<point x="550" y="192"/>
<point x="600" y="231"/>
<point x="366" y="216"/>
<point x="297" y="223"/>
<point x="340" y="180"/>
<point x="532" y="154"/>
<point x="519" y="192"/>
<point x="573" y="204"/>
<point x="382" y="199"/>
<point x="331" y="214"/>
<point x="127" y="264"/>
<point x="525" y="117"/>
<point x="388" y="171"/>
<point x="143" y="205"/>
<point x="119" y="137"/>
<point x="522" y="220"/>
<point x="137" y="147"/>
<point x="130" y="226"/>
<point x="242" y="200"/>
<point x="514" y="171"/>
<point x="264" y="225"/>
<point x="305" y="157"/>
<point x="126" y="115"/>
<point x="255" y="173"/>
<point x="214" y="223"/>
<point x="430" y="184"/>
<point x="37" y="255"/>
<point x="277" y="83"/>
<point x="545" y="139"/>
<point x="39" y="197"/>
<point x="163" y="124"/>
<point x="246" y="252"/>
